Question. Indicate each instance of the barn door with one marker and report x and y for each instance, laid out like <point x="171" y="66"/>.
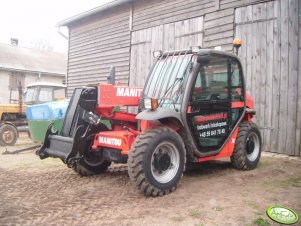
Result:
<point x="174" y="36"/>
<point x="269" y="32"/>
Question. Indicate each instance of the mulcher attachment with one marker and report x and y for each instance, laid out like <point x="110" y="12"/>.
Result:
<point x="70" y="144"/>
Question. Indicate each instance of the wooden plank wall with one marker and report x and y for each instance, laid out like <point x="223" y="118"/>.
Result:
<point x="218" y="23"/>
<point x="270" y="36"/>
<point x="96" y="45"/>
<point x="226" y="4"/>
<point x="298" y="121"/>
<point x="292" y="87"/>
<point x="151" y="13"/>
<point x="167" y="37"/>
<point x="219" y="29"/>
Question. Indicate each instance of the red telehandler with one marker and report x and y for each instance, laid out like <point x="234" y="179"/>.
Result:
<point x="192" y="108"/>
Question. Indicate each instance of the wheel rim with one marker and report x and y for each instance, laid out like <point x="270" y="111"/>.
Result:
<point x="8" y="136"/>
<point x="252" y="146"/>
<point x="165" y="162"/>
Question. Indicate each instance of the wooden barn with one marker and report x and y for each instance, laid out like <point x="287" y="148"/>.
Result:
<point x="124" y="33"/>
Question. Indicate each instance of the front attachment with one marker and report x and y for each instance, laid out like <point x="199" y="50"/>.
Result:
<point x="78" y="124"/>
<point x="65" y="148"/>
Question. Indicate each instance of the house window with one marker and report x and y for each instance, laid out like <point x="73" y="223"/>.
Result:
<point x="16" y="79"/>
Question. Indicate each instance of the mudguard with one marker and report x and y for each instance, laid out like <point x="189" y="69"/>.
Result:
<point x="159" y="113"/>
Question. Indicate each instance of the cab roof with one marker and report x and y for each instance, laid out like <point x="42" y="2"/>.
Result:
<point x="48" y="84"/>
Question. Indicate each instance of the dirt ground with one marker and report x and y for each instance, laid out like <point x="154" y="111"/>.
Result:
<point x="46" y="192"/>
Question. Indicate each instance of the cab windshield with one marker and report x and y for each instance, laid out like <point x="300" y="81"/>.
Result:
<point x="168" y="79"/>
<point x="30" y="94"/>
<point x="42" y="94"/>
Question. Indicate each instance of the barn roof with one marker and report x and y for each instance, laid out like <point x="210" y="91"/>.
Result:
<point x="15" y="58"/>
<point x="92" y="11"/>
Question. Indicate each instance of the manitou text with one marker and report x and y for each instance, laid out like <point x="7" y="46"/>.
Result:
<point x="128" y="92"/>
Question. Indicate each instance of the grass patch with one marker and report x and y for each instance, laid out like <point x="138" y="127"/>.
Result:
<point x="195" y="213"/>
<point x="287" y="182"/>
<point x="265" y="162"/>
<point x="253" y="205"/>
<point x="177" y="219"/>
<point x="257" y="213"/>
<point x="292" y="182"/>
<point x="261" y="222"/>
<point x="244" y="194"/>
<point x="274" y="200"/>
<point x="218" y="208"/>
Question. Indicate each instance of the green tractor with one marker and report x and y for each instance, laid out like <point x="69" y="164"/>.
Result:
<point x="12" y="116"/>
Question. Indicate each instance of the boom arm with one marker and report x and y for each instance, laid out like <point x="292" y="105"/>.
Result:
<point x="110" y="96"/>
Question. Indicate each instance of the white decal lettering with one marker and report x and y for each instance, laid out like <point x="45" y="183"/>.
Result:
<point x="110" y="141"/>
<point x="133" y="92"/>
<point x="120" y="92"/>
<point x="128" y="92"/>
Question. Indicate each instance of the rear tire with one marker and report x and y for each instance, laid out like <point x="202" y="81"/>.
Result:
<point x="156" y="161"/>
<point x="247" y="150"/>
<point x="8" y="135"/>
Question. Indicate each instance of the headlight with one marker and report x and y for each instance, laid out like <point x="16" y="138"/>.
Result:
<point x="148" y="103"/>
<point x="151" y="103"/>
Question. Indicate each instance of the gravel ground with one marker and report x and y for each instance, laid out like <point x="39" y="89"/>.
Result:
<point x="46" y="192"/>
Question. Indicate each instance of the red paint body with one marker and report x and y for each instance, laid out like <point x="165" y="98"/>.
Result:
<point x="122" y="136"/>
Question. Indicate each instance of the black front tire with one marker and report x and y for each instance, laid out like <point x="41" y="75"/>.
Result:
<point x="247" y="149"/>
<point x="85" y="167"/>
<point x="156" y="161"/>
<point x="8" y="135"/>
<point x="92" y="162"/>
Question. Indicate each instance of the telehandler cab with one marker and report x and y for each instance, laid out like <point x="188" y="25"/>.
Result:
<point x="193" y="108"/>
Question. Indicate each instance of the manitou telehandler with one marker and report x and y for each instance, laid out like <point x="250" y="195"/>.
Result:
<point x="193" y="108"/>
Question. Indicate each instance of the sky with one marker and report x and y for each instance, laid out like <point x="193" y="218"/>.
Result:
<point x="33" y="22"/>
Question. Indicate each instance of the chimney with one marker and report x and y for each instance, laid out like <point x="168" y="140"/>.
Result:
<point x="14" y="41"/>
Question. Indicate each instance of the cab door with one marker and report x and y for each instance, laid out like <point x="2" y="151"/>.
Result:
<point x="210" y="116"/>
